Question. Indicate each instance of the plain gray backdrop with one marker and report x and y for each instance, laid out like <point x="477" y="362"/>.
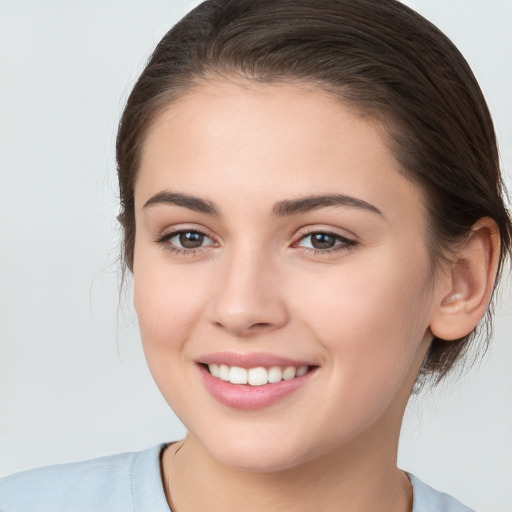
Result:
<point x="73" y="381"/>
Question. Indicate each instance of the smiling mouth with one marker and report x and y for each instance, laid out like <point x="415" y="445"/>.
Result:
<point x="258" y="376"/>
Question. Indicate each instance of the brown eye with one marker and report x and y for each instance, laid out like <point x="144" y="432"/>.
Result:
<point x="185" y="241"/>
<point x="325" y="241"/>
<point x="191" y="239"/>
<point x="322" y="241"/>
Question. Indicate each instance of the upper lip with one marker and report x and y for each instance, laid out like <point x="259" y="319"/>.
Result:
<point x="251" y="360"/>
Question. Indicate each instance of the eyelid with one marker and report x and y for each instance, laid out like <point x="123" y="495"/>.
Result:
<point x="328" y="230"/>
<point x="346" y="242"/>
<point x="342" y="241"/>
<point x="164" y="239"/>
<point x="183" y="228"/>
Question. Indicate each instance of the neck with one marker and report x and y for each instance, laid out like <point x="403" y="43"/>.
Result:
<point x="356" y="479"/>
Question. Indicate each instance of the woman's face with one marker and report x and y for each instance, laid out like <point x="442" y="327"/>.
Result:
<point x="275" y="235"/>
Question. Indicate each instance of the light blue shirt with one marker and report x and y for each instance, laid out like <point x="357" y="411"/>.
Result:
<point x="131" y="482"/>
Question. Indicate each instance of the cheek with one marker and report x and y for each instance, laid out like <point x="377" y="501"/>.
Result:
<point x="168" y="307"/>
<point x="372" y="318"/>
<point x="167" y="304"/>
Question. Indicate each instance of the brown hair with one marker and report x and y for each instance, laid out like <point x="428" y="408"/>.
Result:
<point x="378" y="56"/>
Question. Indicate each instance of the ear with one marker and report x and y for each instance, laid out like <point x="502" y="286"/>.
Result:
<point x="468" y="283"/>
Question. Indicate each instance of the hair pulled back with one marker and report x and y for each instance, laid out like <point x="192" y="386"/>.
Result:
<point x="378" y="56"/>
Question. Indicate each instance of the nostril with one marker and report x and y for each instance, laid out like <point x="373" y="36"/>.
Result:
<point x="261" y="325"/>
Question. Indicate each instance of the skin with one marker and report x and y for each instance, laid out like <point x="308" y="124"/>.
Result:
<point x="360" y="314"/>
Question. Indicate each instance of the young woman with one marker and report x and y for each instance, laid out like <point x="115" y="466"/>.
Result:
<point x="312" y="208"/>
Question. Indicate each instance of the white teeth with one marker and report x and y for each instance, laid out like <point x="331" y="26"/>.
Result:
<point x="214" y="370"/>
<point x="224" y="372"/>
<point x="275" y="374"/>
<point x="255" y="376"/>
<point x="258" y="376"/>
<point x="300" y="371"/>
<point x="289" y="373"/>
<point x="237" y="375"/>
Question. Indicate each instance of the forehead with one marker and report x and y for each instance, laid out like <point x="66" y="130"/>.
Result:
<point x="277" y="140"/>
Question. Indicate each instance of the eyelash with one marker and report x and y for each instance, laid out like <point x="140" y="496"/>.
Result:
<point x="181" y="251"/>
<point x="344" y="243"/>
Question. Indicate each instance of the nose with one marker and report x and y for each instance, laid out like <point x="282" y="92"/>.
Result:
<point x="249" y="299"/>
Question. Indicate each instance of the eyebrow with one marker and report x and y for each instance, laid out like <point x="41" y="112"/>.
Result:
<point x="192" y="203"/>
<point x="310" y="203"/>
<point x="284" y="208"/>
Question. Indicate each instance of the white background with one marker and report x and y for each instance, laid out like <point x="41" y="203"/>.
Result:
<point x="73" y="382"/>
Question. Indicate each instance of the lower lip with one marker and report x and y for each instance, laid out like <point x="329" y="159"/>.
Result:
<point x="240" y="396"/>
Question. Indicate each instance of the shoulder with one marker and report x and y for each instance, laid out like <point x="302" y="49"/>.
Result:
<point x="427" y="499"/>
<point x="125" y="482"/>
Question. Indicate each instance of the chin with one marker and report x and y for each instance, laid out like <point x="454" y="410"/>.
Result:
<point x="256" y="461"/>
<point x="259" y="454"/>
